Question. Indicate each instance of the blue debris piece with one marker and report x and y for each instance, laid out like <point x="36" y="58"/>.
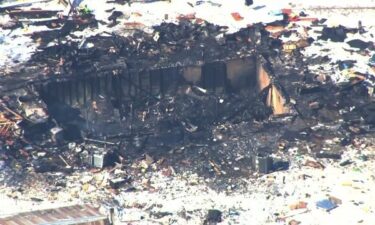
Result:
<point x="259" y="7"/>
<point x="372" y="60"/>
<point x="2" y="38"/>
<point x="275" y="13"/>
<point x="76" y="3"/>
<point x="346" y="64"/>
<point x="210" y="2"/>
<point x="326" y="204"/>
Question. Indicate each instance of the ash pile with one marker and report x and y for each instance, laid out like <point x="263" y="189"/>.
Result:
<point x="187" y="96"/>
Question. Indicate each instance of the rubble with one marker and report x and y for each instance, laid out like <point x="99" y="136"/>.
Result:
<point x="213" y="217"/>
<point x="336" y="34"/>
<point x="248" y="2"/>
<point x="176" y="118"/>
<point x="362" y="45"/>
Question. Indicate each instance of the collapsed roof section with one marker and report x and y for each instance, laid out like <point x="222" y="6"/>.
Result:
<point x="154" y="65"/>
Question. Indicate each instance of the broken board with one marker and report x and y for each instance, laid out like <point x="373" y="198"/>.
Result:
<point x="70" y="215"/>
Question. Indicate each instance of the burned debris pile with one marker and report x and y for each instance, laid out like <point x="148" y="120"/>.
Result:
<point x="187" y="95"/>
<point x="141" y="93"/>
<point x="186" y="112"/>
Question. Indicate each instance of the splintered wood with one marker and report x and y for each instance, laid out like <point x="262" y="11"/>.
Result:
<point x="275" y="98"/>
<point x="8" y="121"/>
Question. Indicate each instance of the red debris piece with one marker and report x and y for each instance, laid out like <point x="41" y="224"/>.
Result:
<point x="292" y="17"/>
<point x="297" y="18"/>
<point x="134" y="25"/>
<point x="199" y="21"/>
<point x="286" y="11"/>
<point x="236" y="16"/>
<point x="190" y="16"/>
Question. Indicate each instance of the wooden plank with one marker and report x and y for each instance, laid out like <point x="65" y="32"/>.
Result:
<point x="263" y="78"/>
<point x="57" y="215"/>
<point x="19" y="220"/>
<point x="7" y="222"/>
<point x="91" y="212"/>
<point x="48" y="216"/>
<point x="66" y="212"/>
<point x="72" y="215"/>
<point x="34" y="219"/>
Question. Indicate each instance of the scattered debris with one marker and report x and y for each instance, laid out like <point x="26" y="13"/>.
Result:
<point x="335" y="34"/>
<point x="372" y="60"/>
<point x="213" y="217"/>
<point x="263" y="164"/>
<point x="236" y="16"/>
<point x="326" y="204"/>
<point x="299" y="205"/>
<point x="362" y="45"/>
<point x="346" y="162"/>
<point x="328" y="155"/>
<point x="335" y="200"/>
<point x="249" y="2"/>
<point x="294" y="222"/>
<point x="314" y="164"/>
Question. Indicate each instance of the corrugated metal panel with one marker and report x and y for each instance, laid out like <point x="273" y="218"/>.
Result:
<point x="71" y="215"/>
